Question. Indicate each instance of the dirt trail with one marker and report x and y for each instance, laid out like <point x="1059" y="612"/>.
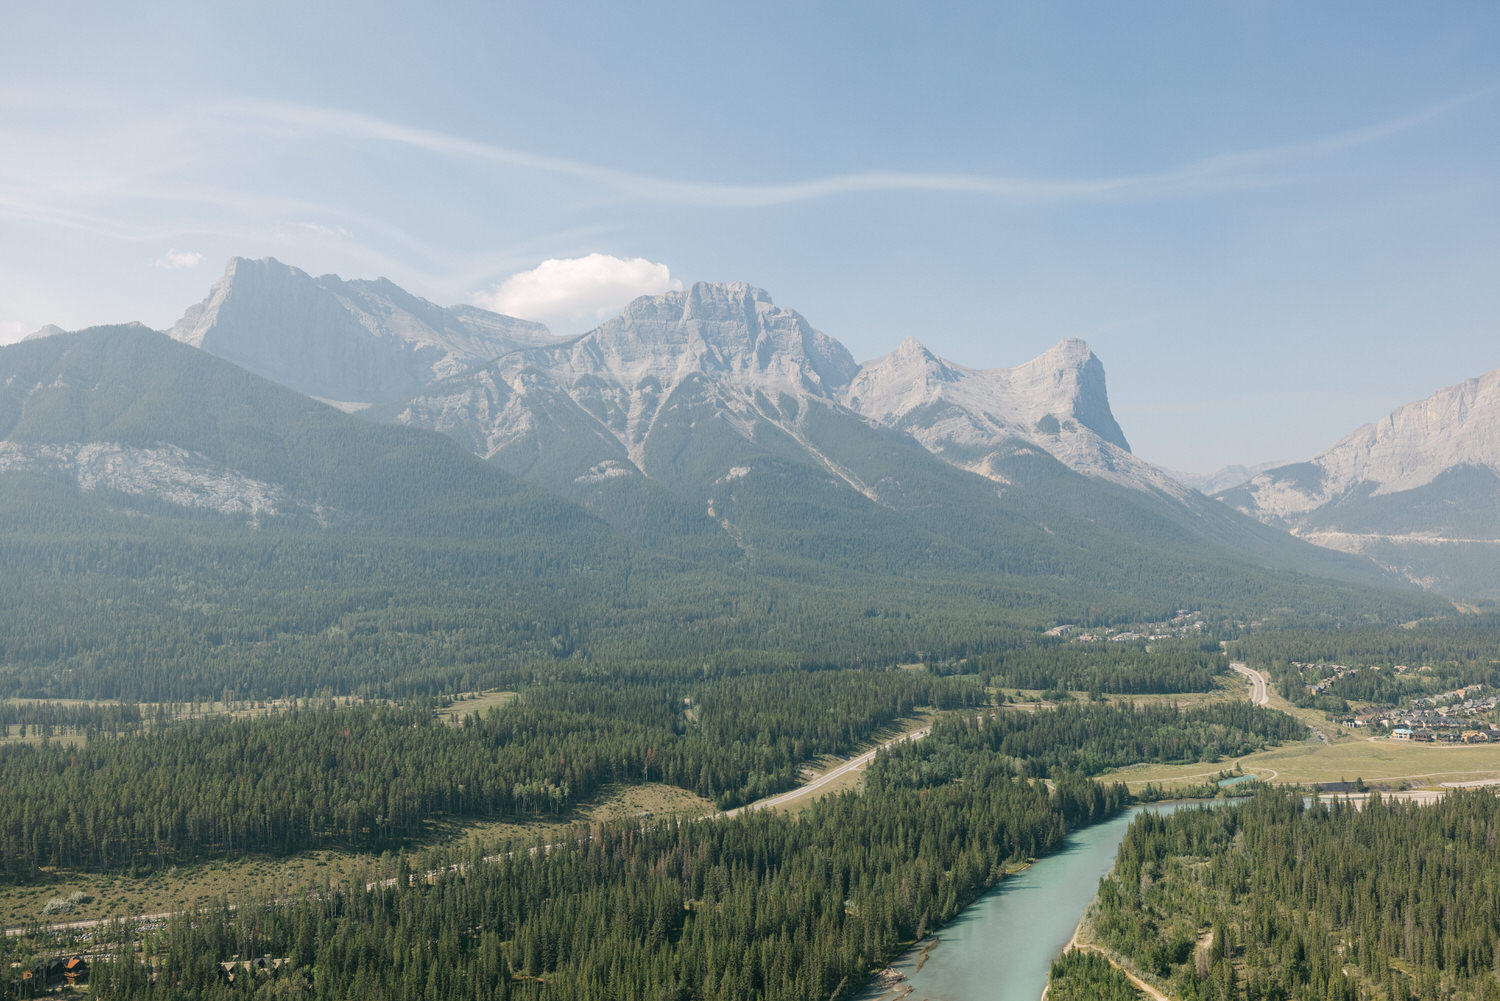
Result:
<point x="1139" y="984"/>
<point x="809" y="788"/>
<point x="781" y="799"/>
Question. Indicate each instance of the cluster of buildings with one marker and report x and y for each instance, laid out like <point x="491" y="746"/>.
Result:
<point x="1184" y="623"/>
<point x="1449" y="724"/>
<point x="1461" y="701"/>
<point x="1448" y="718"/>
<point x="1488" y="735"/>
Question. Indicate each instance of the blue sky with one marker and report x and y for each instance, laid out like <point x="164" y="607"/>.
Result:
<point x="1273" y="222"/>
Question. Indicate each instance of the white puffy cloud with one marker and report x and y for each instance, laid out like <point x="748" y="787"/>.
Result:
<point x="576" y="294"/>
<point x="176" y="260"/>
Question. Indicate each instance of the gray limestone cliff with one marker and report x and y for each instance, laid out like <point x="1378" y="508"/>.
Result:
<point x="354" y="342"/>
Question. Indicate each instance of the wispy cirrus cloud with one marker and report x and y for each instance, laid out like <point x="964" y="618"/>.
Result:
<point x="99" y="176"/>
<point x="1242" y="169"/>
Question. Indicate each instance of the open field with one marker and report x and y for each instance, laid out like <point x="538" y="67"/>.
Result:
<point x="1333" y="754"/>
<point x="13" y="735"/>
<point x="1306" y="762"/>
<point x="1226" y="686"/>
<point x="476" y="702"/>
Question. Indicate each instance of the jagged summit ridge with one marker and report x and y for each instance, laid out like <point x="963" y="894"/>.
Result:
<point x="358" y="341"/>
<point x="730" y="330"/>
<point x="494" y="382"/>
<point x="976" y="418"/>
<point x="724" y="350"/>
<point x="1064" y="382"/>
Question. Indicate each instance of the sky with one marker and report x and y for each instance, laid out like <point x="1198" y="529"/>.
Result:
<point x="1272" y="222"/>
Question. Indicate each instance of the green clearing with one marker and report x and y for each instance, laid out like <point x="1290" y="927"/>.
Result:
<point x="476" y="702"/>
<point x="1340" y="755"/>
<point x="1312" y="760"/>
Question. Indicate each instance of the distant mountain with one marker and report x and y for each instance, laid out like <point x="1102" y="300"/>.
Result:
<point x="973" y="418"/>
<point x="712" y="418"/>
<point x="175" y="526"/>
<point x="1220" y="479"/>
<point x="127" y="414"/>
<point x="349" y="342"/>
<point x="1417" y="491"/>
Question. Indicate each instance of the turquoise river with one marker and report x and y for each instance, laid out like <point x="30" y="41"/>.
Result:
<point x="1001" y="947"/>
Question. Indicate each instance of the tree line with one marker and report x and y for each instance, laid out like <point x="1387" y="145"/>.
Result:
<point x="1129" y="668"/>
<point x="765" y="906"/>
<point x="1279" y="898"/>
<point x="368" y="776"/>
<point x="1090" y="738"/>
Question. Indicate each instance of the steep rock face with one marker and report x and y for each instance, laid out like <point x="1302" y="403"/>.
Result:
<point x="165" y="473"/>
<point x="354" y="342"/>
<point x="1416" y="490"/>
<point x="977" y="418"/>
<point x="1408" y="448"/>
<point x="590" y="407"/>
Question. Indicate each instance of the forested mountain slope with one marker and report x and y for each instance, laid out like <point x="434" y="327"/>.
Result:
<point x="713" y="418"/>
<point x="176" y="527"/>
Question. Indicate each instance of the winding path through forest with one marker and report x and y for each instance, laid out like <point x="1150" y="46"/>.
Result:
<point x="807" y="789"/>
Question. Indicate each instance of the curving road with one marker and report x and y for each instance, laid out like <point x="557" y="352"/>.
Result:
<point x="811" y="787"/>
<point x="857" y="762"/>
<point x="1258" y="694"/>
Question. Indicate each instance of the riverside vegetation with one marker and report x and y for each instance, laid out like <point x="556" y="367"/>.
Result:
<point x="1278" y="899"/>
<point x="762" y="905"/>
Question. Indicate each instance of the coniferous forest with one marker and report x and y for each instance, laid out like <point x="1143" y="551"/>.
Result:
<point x="764" y="905"/>
<point x="372" y="776"/>
<point x="1281" y="899"/>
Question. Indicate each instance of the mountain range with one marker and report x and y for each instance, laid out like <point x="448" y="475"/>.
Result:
<point x="705" y="476"/>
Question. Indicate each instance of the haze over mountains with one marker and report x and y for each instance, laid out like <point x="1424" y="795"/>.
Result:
<point x="348" y="342"/>
<point x="710" y="426"/>
<point x="1417" y="491"/>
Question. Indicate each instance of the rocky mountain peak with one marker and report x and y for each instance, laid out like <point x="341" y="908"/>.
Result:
<point x="719" y="329"/>
<point x="1416" y="490"/>
<point x="1067" y="353"/>
<point x="1081" y="374"/>
<point x="355" y="341"/>
<point x="1057" y="402"/>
